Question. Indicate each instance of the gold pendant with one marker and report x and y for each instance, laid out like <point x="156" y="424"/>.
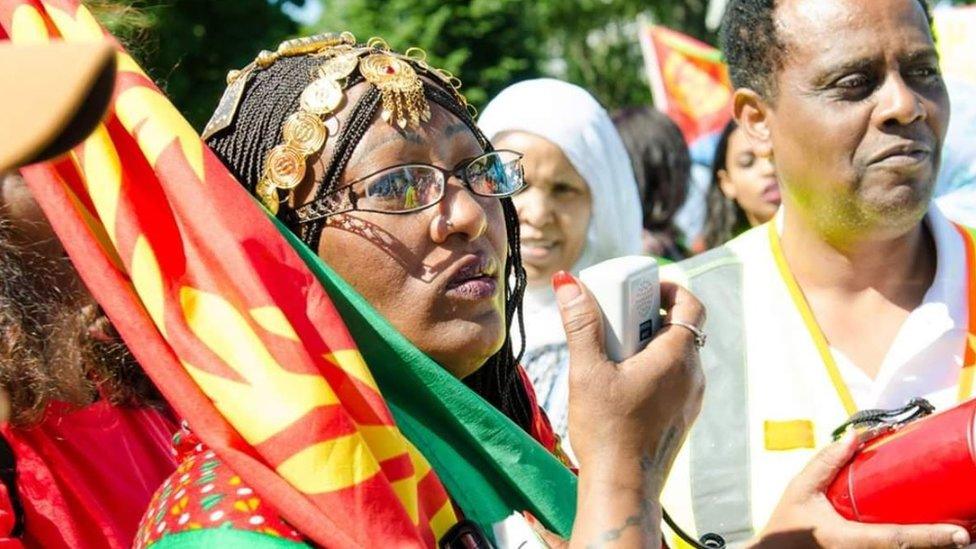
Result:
<point x="285" y="167"/>
<point x="401" y="90"/>
<point x="304" y="132"/>
<point x="321" y="96"/>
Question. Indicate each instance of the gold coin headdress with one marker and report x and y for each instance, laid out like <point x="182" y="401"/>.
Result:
<point x="305" y="131"/>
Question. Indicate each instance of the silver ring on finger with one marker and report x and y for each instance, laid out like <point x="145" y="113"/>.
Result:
<point x="700" y="336"/>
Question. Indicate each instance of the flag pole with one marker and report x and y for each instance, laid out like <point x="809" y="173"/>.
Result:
<point x="652" y="65"/>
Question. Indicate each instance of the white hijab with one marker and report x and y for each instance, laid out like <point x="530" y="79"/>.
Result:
<point x="573" y="120"/>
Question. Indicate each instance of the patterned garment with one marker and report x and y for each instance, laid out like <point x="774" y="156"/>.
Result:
<point x="548" y="370"/>
<point x="205" y="493"/>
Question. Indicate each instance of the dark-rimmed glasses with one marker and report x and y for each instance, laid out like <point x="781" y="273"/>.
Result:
<point x="407" y="188"/>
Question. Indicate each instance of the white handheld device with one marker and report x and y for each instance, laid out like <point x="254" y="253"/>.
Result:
<point x="629" y="294"/>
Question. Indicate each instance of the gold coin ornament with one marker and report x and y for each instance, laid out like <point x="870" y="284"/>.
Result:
<point x="268" y="195"/>
<point x="339" y="67"/>
<point x="401" y="90"/>
<point x="304" y="132"/>
<point x="403" y="101"/>
<point x="285" y="167"/>
<point x="322" y="96"/>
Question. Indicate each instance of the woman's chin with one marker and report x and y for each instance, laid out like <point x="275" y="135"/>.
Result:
<point x="465" y="349"/>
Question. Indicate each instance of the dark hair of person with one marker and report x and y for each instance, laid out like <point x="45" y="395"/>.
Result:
<point x="753" y="49"/>
<point x="661" y="162"/>
<point x="55" y="345"/>
<point x="725" y="218"/>
<point x="271" y="96"/>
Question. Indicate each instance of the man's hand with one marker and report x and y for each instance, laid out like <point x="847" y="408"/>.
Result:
<point x="805" y="518"/>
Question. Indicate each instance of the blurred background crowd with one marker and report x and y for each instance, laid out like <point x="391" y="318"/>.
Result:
<point x="611" y="48"/>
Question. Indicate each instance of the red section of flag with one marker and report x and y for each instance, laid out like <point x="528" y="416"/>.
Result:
<point x="689" y="81"/>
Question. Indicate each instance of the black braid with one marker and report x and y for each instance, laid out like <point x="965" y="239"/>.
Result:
<point x="358" y="122"/>
<point x="272" y="95"/>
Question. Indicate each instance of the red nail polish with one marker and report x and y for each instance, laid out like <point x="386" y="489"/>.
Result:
<point x="561" y="279"/>
<point x="530" y="518"/>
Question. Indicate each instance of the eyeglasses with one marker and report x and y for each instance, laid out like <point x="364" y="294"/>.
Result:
<point x="408" y="188"/>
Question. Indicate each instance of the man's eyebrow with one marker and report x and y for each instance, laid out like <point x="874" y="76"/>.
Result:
<point x="923" y="54"/>
<point x="829" y="73"/>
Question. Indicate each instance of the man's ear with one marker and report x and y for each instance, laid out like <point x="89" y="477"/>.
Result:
<point x="752" y="113"/>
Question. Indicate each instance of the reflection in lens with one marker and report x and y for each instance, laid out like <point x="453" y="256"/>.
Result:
<point x="495" y="174"/>
<point x="402" y="189"/>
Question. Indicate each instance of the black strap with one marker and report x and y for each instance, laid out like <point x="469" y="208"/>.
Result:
<point x="707" y="541"/>
<point x="916" y="408"/>
<point x="464" y="535"/>
<point x="8" y="475"/>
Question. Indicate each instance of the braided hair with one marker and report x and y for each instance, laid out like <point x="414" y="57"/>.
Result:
<point x="272" y="95"/>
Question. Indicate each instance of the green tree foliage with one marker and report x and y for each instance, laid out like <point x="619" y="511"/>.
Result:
<point x="595" y="42"/>
<point x="492" y="43"/>
<point x="187" y="46"/>
<point x="486" y="43"/>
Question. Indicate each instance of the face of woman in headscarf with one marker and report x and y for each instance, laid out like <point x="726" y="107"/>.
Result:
<point x="435" y="274"/>
<point x="749" y="179"/>
<point x="554" y="209"/>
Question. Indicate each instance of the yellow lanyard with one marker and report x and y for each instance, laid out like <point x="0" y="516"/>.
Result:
<point x="966" y="374"/>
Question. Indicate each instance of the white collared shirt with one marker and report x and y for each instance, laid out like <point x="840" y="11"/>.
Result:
<point x="786" y="382"/>
<point x="926" y="356"/>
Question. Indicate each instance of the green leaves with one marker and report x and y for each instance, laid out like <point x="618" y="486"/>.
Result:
<point x="490" y="44"/>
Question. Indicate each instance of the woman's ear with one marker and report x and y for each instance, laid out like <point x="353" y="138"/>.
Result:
<point x="752" y="113"/>
<point x="726" y="185"/>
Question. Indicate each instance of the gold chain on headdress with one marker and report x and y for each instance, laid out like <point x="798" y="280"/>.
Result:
<point x="304" y="132"/>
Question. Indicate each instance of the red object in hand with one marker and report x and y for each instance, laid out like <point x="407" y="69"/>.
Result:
<point x="921" y="473"/>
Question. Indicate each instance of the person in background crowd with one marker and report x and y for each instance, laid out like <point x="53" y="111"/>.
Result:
<point x="744" y="191"/>
<point x="86" y="436"/>
<point x="662" y="167"/>
<point x="855" y="295"/>
<point x="580" y="207"/>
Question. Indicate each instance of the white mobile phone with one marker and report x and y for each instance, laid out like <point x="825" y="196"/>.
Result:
<point x="629" y="294"/>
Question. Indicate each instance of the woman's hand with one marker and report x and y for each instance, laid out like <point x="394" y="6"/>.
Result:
<point x="805" y="518"/>
<point x="627" y="420"/>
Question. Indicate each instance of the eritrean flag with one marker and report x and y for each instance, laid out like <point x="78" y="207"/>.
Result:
<point x="350" y="432"/>
<point x="689" y="81"/>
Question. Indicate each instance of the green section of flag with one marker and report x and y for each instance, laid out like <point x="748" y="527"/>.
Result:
<point x="489" y="466"/>
<point x="225" y="538"/>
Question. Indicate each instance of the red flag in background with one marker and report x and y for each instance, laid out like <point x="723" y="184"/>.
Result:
<point x="225" y="316"/>
<point x="689" y="81"/>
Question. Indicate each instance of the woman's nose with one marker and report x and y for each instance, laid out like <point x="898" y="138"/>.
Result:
<point x="460" y="212"/>
<point x="533" y="206"/>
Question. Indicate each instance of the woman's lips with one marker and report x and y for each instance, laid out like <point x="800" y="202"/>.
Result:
<point x="476" y="289"/>
<point x="475" y="280"/>
<point x="772" y="194"/>
<point x="537" y="250"/>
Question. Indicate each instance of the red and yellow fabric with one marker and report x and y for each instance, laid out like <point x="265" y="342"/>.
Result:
<point x="689" y="81"/>
<point x="224" y="315"/>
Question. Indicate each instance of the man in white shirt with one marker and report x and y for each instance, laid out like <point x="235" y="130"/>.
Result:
<point x="855" y="296"/>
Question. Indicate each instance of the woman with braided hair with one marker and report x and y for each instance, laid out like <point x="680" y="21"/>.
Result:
<point x="374" y="161"/>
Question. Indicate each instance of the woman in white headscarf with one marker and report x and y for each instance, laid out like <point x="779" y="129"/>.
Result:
<point x="581" y="207"/>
